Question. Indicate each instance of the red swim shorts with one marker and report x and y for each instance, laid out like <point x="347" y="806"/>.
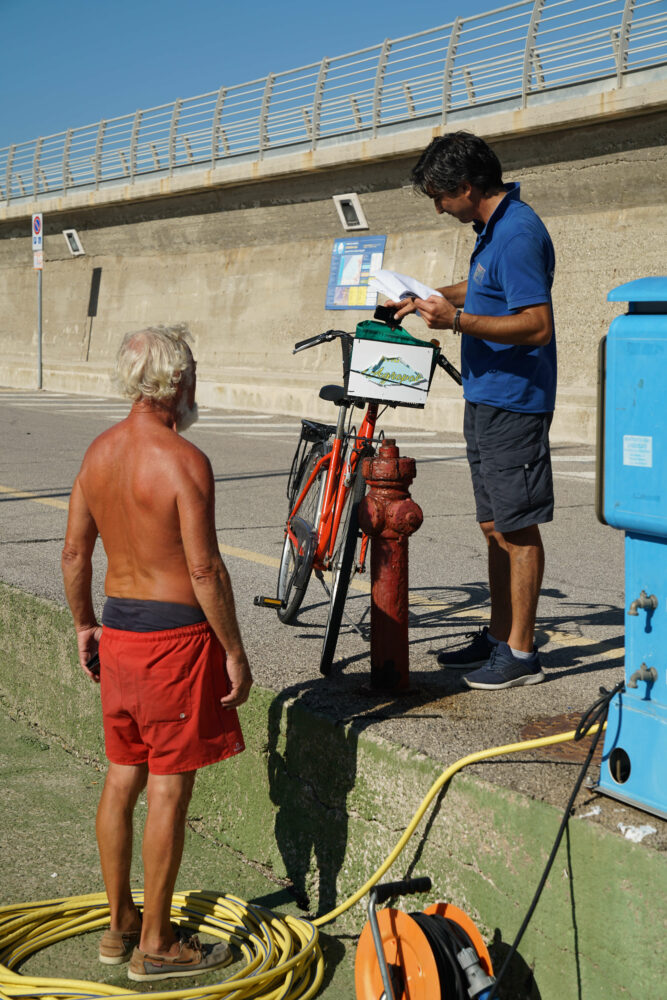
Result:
<point x="161" y="699"/>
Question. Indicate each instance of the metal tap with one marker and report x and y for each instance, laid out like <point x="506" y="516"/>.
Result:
<point x="643" y="674"/>
<point x="643" y="601"/>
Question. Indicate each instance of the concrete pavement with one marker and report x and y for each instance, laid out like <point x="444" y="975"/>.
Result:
<point x="580" y="623"/>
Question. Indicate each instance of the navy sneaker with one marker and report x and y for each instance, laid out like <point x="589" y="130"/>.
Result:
<point x="475" y="654"/>
<point x="504" y="670"/>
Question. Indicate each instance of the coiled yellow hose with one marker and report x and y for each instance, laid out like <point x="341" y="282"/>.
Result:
<point x="283" y="959"/>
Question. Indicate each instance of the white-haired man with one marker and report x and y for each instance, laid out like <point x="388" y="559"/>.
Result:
<point x="173" y="667"/>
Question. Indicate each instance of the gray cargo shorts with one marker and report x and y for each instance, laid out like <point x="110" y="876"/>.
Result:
<point x="510" y="465"/>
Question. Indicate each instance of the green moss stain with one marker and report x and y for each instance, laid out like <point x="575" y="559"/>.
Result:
<point x="320" y="805"/>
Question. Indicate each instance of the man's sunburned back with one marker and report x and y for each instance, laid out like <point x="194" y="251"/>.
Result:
<point x="131" y="478"/>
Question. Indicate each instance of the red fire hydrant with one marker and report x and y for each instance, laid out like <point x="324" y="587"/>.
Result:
<point x="389" y="516"/>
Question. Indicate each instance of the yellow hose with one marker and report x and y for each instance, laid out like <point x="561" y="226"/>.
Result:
<point x="283" y="959"/>
<point x="446" y="776"/>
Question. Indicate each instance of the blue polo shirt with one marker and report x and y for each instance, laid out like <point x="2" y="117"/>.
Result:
<point x="512" y="266"/>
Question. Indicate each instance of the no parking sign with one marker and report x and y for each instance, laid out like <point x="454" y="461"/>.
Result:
<point x="37" y="242"/>
<point x="37" y="238"/>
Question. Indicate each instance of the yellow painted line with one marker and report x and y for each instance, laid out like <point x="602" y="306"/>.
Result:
<point x="226" y="550"/>
<point x="249" y="555"/>
<point x="256" y="557"/>
<point x="362" y="586"/>
<point x="572" y="639"/>
<point x="453" y="607"/>
<point x="568" y="638"/>
<point x="21" y="495"/>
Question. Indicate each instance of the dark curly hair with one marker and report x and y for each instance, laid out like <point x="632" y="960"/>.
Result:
<point x="451" y="159"/>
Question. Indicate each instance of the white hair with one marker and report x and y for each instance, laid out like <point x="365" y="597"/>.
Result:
<point x="151" y="362"/>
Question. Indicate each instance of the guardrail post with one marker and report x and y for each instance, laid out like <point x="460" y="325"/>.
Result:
<point x="624" y="38"/>
<point x="97" y="159"/>
<point x="379" y="79"/>
<point x="389" y="516"/>
<point x="35" y="167"/>
<point x="448" y="75"/>
<point x="470" y="86"/>
<point x="172" y="134"/>
<point x="216" y="124"/>
<point x="410" y="104"/>
<point x="264" y="115"/>
<point x="529" y="50"/>
<point x="317" y="100"/>
<point x="65" y="167"/>
<point x="8" y="172"/>
<point x="133" y="144"/>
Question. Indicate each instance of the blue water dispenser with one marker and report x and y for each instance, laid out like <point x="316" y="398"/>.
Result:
<point x="632" y="496"/>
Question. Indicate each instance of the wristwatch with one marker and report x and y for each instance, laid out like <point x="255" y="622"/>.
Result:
<point x="456" y="328"/>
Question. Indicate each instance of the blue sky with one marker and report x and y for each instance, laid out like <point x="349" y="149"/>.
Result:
<point x="67" y="63"/>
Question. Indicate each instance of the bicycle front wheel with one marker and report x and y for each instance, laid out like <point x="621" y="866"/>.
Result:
<point x="296" y="562"/>
<point x="342" y="566"/>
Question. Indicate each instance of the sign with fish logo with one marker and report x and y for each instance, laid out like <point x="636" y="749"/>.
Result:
<point x="390" y="372"/>
<point x="395" y="371"/>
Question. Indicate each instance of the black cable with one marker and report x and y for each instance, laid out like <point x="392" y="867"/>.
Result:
<point x="446" y="939"/>
<point x="597" y="713"/>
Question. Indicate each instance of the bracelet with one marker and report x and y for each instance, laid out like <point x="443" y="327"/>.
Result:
<point x="456" y="325"/>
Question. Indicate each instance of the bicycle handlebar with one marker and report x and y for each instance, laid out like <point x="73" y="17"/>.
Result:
<point x="346" y="338"/>
<point x="450" y="369"/>
<point x="321" y="338"/>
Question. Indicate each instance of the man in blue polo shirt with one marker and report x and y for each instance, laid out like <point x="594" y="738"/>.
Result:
<point x="508" y="363"/>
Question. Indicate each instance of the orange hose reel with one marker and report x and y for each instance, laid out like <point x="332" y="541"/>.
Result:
<point x="406" y="946"/>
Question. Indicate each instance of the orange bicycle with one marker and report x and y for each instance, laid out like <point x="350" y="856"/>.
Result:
<point x="325" y="483"/>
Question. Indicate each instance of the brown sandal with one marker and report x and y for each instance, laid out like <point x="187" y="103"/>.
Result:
<point x="193" y="958"/>
<point x="116" y="947"/>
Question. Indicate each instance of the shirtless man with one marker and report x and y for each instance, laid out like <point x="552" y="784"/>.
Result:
<point x="173" y="667"/>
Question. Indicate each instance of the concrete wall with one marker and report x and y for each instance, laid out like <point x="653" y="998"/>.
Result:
<point x="244" y="258"/>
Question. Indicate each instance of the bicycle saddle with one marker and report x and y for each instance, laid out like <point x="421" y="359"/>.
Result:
<point x="336" y="394"/>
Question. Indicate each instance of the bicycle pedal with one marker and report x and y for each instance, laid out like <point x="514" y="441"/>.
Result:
<point x="268" y="602"/>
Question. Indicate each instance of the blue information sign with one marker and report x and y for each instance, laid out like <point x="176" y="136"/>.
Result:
<point x="353" y="261"/>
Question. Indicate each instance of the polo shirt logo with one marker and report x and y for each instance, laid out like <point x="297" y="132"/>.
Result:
<point x="479" y="274"/>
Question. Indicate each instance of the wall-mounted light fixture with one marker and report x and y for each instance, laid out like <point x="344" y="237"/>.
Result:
<point x="350" y="211"/>
<point x="74" y="244"/>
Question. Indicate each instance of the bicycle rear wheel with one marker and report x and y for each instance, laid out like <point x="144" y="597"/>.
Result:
<point x="342" y="566"/>
<point x="296" y="562"/>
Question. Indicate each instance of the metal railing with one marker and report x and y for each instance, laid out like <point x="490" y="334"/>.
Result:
<point x="508" y="57"/>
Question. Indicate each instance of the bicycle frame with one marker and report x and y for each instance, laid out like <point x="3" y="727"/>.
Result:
<point x="336" y="486"/>
<point x="322" y="530"/>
